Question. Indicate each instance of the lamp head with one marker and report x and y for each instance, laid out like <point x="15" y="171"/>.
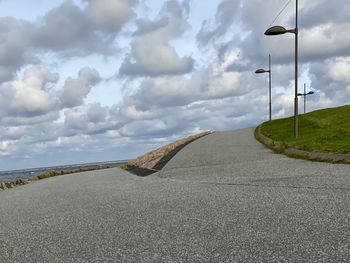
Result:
<point x="259" y="71"/>
<point x="275" y="30"/>
<point x="311" y="92"/>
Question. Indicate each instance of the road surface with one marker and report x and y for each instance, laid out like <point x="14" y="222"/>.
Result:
<point x="223" y="198"/>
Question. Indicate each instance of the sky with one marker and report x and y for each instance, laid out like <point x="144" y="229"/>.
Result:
<point x="100" y="80"/>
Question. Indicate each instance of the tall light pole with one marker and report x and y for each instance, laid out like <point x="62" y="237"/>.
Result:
<point x="259" y="71"/>
<point x="304" y="95"/>
<point x="279" y="30"/>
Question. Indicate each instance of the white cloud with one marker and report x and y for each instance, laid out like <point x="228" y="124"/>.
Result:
<point x="339" y="70"/>
<point x="5" y="148"/>
<point x="27" y="97"/>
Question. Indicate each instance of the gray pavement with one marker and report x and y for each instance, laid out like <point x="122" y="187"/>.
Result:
<point x="223" y="198"/>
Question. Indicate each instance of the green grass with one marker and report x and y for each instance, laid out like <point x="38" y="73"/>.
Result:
<point x="326" y="130"/>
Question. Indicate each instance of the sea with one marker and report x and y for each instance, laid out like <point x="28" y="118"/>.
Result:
<point x="13" y="175"/>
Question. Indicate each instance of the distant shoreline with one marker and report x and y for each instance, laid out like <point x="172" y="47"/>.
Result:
<point x="64" y="165"/>
<point x="13" y="175"/>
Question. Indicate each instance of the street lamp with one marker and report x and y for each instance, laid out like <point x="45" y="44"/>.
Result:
<point x="279" y="30"/>
<point x="304" y="95"/>
<point x="259" y="71"/>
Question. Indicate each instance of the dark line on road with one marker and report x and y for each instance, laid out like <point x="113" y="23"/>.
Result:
<point x="279" y="186"/>
<point x="283" y="158"/>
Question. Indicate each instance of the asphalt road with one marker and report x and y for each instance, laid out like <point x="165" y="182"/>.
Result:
<point x="223" y="198"/>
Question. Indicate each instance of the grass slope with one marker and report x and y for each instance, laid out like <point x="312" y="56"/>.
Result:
<point x="326" y="130"/>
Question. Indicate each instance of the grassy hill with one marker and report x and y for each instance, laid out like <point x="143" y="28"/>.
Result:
<point x="326" y="130"/>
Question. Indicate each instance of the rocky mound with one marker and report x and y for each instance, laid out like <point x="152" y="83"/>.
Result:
<point x="154" y="161"/>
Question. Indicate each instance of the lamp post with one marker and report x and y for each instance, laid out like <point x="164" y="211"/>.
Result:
<point x="304" y="95"/>
<point x="279" y="30"/>
<point x="259" y="71"/>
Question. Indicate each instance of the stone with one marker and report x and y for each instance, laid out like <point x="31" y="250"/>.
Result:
<point x="3" y="186"/>
<point x="10" y="185"/>
<point x="18" y="182"/>
<point x="31" y="179"/>
<point x="150" y="159"/>
<point x="25" y="181"/>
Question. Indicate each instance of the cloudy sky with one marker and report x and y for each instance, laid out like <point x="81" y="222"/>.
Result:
<point x="95" y="80"/>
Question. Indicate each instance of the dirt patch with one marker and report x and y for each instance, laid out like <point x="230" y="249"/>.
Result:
<point x="154" y="161"/>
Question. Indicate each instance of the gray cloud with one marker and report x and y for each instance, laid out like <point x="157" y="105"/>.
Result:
<point x="215" y="114"/>
<point x="164" y="92"/>
<point x="324" y="12"/>
<point x="109" y="15"/>
<point x="146" y="128"/>
<point x="225" y="15"/>
<point x="19" y="120"/>
<point x="91" y="119"/>
<point x="75" y="90"/>
<point x="12" y="133"/>
<point x="67" y="30"/>
<point x="151" y="52"/>
<point x="145" y="26"/>
<point x="166" y="62"/>
<point x="13" y="46"/>
<point x="325" y="30"/>
<point x="82" y="28"/>
<point x="332" y="79"/>
<point x="331" y="42"/>
<point x="254" y="46"/>
<point x="85" y="117"/>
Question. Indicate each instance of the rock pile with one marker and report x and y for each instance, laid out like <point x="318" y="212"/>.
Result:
<point x="155" y="160"/>
<point x="8" y="185"/>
